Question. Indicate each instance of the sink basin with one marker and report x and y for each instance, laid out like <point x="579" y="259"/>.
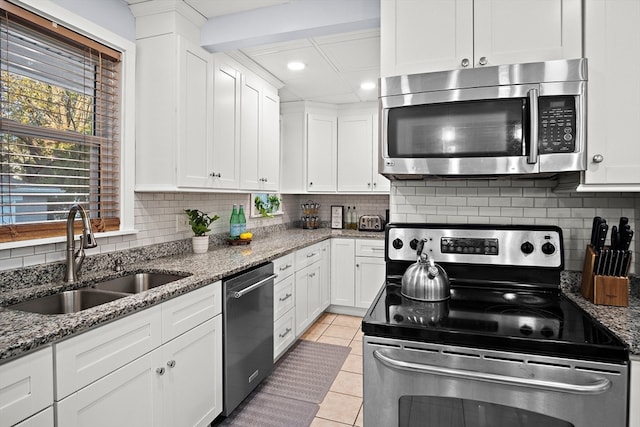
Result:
<point x="135" y="283"/>
<point x="67" y="302"/>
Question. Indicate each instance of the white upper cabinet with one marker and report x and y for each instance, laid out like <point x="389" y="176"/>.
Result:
<point x="358" y="154"/>
<point x="322" y="139"/>
<point x="259" y="136"/>
<point x="433" y="35"/>
<point x="225" y="167"/>
<point x="613" y="154"/>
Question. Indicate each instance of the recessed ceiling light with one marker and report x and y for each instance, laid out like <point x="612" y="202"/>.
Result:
<point x="296" y="65"/>
<point x="367" y="85"/>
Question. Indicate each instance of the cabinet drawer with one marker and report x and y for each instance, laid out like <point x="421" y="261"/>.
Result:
<point x="41" y="419"/>
<point x="371" y="248"/>
<point x="283" y="297"/>
<point x="283" y="333"/>
<point x="26" y="386"/>
<point x="284" y="266"/>
<point x="307" y="256"/>
<point x="188" y="311"/>
<point x="85" y="358"/>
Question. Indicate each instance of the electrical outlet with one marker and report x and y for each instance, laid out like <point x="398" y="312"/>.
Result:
<point x="182" y="223"/>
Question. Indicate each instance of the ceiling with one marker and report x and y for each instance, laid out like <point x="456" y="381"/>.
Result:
<point x="336" y="64"/>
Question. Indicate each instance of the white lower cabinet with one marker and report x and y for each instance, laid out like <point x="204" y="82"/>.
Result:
<point x="357" y="271"/>
<point x="307" y="297"/>
<point x="43" y="418"/>
<point x="284" y="301"/>
<point x="634" y="393"/>
<point x="159" y="367"/>
<point x="26" y="388"/>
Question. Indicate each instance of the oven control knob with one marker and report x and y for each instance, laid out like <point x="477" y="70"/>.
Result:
<point x="397" y="244"/>
<point x="414" y="244"/>
<point x="526" y="247"/>
<point x="546" y="332"/>
<point x="548" y="248"/>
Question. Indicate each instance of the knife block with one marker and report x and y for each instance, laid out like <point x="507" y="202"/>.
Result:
<point x="602" y="290"/>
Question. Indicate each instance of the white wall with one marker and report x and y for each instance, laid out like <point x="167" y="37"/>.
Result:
<point x="114" y="15"/>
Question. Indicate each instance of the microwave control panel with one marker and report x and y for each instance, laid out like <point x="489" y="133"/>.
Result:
<point x="556" y="124"/>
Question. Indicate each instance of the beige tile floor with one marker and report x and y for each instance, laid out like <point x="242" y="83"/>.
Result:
<point x="342" y="406"/>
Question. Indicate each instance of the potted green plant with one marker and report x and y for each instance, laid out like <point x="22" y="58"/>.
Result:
<point x="267" y="204"/>
<point x="200" y="222"/>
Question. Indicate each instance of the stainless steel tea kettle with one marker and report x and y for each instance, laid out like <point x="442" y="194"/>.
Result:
<point x="425" y="280"/>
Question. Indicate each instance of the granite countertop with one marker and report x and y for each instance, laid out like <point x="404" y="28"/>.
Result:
<point x="21" y="332"/>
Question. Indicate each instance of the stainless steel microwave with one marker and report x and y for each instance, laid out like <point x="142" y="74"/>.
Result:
<point x="501" y="120"/>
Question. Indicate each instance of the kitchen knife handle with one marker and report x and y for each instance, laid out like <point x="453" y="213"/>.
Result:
<point x="594" y="229"/>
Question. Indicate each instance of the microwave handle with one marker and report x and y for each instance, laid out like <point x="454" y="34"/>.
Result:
<point x="533" y="117"/>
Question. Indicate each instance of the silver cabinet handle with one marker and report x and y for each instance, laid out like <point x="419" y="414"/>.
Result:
<point x="311" y="254"/>
<point x="160" y="371"/>
<point x="598" y="158"/>
<point x="286" y="332"/>
<point x="483" y="60"/>
<point x="215" y="175"/>
<point x="171" y="363"/>
<point x="312" y="274"/>
<point x="256" y="285"/>
<point x="465" y="62"/>
<point x="285" y="267"/>
<point x="596" y="387"/>
<point x="286" y="297"/>
<point x="533" y="116"/>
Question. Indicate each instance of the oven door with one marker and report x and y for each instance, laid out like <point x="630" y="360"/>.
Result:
<point x="409" y="384"/>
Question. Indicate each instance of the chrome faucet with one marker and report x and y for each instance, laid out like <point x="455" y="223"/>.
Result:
<point x="87" y="240"/>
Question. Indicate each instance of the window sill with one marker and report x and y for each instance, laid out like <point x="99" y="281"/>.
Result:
<point x="61" y="239"/>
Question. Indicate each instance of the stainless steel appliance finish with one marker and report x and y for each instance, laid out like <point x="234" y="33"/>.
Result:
<point x="247" y="333"/>
<point x="508" y="119"/>
<point x="371" y="223"/>
<point x="508" y="348"/>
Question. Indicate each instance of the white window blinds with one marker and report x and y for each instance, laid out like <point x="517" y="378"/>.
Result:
<point x="59" y="127"/>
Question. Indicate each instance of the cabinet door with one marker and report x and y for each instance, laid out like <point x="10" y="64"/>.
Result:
<point x="41" y="419"/>
<point x="225" y="170"/>
<point x="343" y="272"/>
<point x="355" y="153"/>
<point x="314" y="295"/>
<point x="130" y="396"/>
<point x="418" y="36"/>
<point x="511" y="32"/>
<point x="26" y="386"/>
<point x="370" y="276"/>
<point x="269" y="152"/>
<point x="302" y="296"/>
<point x="611" y="33"/>
<point x="325" y="275"/>
<point x="182" y="314"/>
<point x="249" y="134"/>
<point x="322" y="146"/>
<point x="87" y="357"/>
<point x="195" y="105"/>
<point x="381" y="184"/>
<point x="284" y="333"/>
<point x="192" y="382"/>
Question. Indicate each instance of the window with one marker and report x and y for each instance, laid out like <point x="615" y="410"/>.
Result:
<point x="59" y="127"/>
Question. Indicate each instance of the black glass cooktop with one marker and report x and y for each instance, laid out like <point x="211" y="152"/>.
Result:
<point x="528" y="321"/>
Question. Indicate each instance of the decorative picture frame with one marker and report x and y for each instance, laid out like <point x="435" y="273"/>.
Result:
<point x="337" y="217"/>
<point x="265" y="205"/>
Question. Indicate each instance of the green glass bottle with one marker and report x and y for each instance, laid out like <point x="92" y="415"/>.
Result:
<point x="242" y="220"/>
<point x="234" y="223"/>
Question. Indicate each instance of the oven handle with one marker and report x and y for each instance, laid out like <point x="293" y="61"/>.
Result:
<point x="533" y="116"/>
<point x="599" y="386"/>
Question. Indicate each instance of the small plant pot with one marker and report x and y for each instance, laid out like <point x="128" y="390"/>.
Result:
<point x="200" y="244"/>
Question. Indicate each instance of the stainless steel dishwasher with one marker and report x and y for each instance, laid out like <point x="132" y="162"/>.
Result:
<point x="247" y="318"/>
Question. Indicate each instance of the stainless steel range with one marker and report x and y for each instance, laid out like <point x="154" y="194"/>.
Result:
<point x="506" y="349"/>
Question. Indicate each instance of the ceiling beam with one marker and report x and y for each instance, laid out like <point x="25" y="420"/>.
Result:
<point x="291" y="21"/>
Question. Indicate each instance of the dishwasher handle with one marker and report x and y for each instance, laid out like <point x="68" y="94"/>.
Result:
<point x="239" y="294"/>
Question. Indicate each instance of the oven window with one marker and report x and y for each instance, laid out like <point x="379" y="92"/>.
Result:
<point x="432" y="411"/>
<point x="485" y="128"/>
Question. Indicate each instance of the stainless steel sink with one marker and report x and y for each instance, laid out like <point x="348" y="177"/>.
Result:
<point x="136" y="283"/>
<point x="67" y="302"/>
